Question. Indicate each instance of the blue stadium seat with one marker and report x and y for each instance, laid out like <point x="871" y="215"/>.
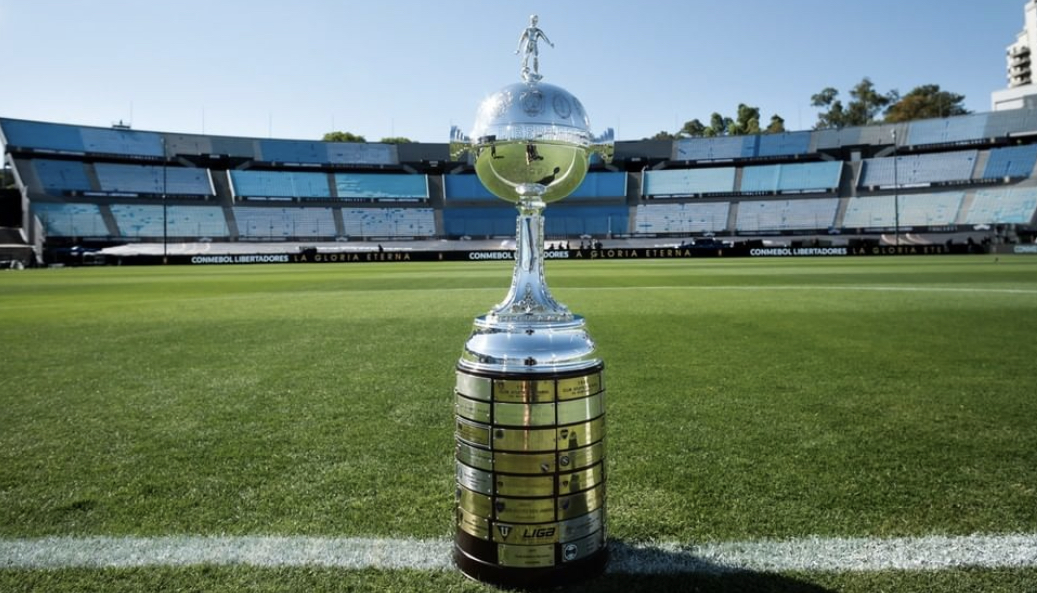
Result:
<point x="601" y="185"/>
<point x="807" y="177"/>
<point x="786" y="215"/>
<point x="145" y="221"/>
<point x="389" y="222"/>
<point x="293" y="151"/>
<point x="834" y="139"/>
<point x="61" y="177"/>
<point x="479" y="221"/>
<point x="153" y="180"/>
<point x="322" y="153"/>
<point x="41" y="135"/>
<point x="280" y="184"/>
<point x="563" y="220"/>
<point x="1010" y="122"/>
<point x="721" y="148"/>
<point x="70" y="220"/>
<point x="919" y="169"/>
<point x="784" y="144"/>
<point x="1003" y="206"/>
<point x="797" y="177"/>
<point x="466" y="188"/>
<point x="763" y="178"/>
<point x="1011" y="162"/>
<point x="688" y="182"/>
<point x="962" y="128"/>
<point x="687" y="218"/>
<point x="929" y="209"/>
<point x="381" y="186"/>
<point x="597" y="185"/>
<point x="356" y="153"/>
<point x="122" y="142"/>
<point x="284" y="223"/>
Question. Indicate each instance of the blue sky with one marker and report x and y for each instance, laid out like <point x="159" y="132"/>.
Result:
<point x="413" y="68"/>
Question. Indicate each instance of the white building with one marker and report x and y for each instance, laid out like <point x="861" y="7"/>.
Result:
<point x="1021" y="91"/>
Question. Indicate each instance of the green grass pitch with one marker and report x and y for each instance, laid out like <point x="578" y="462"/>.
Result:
<point x="747" y="400"/>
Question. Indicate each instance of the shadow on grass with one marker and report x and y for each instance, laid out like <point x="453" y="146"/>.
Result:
<point x="638" y="569"/>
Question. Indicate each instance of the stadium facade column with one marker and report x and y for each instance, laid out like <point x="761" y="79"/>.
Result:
<point x="530" y="389"/>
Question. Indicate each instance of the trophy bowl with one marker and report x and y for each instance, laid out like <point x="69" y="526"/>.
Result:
<point x="528" y="135"/>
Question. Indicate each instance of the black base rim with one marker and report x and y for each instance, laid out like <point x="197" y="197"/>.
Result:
<point x="569" y="573"/>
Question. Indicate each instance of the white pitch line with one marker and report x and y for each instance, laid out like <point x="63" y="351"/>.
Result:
<point x="812" y="287"/>
<point x="806" y="554"/>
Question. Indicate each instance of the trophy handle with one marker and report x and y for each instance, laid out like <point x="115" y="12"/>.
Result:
<point x="604" y="145"/>
<point x="460" y="145"/>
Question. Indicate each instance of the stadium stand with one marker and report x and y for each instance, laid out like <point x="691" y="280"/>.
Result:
<point x="601" y="185"/>
<point x="279" y="184"/>
<point x="786" y="215"/>
<point x="466" y="188"/>
<point x="71" y="219"/>
<point x="565" y="220"/>
<point x="325" y="153"/>
<point x="112" y="186"/>
<point x="682" y="219"/>
<point x="153" y="180"/>
<point x="882" y="134"/>
<point x="928" y="209"/>
<point x="1003" y="206"/>
<point x="147" y="222"/>
<point x="956" y="130"/>
<point x="122" y="142"/>
<point x="43" y="136"/>
<point x="1015" y="162"/>
<point x="919" y="170"/>
<point x="870" y="212"/>
<point x="833" y="140"/>
<point x="292" y="151"/>
<point x="285" y="223"/>
<point x="189" y="145"/>
<point x="1009" y="123"/>
<point x="784" y="144"/>
<point x="479" y="221"/>
<point x="381" y="187"/>
<point x="722" y="148"/>
<point x="388" y="222"/>
<point x="798" y="178"/>
<point x="689" y="182"/>
<point x="61" y="177"/>
<point x="598" y="185"/>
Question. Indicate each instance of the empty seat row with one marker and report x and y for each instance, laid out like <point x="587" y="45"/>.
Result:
<point x="687" y="218"/>
<point x="918" y="169"/>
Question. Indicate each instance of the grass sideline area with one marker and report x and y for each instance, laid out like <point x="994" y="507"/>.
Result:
<point x="747" y="400"/>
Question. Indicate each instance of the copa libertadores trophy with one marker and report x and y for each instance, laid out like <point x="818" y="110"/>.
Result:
<point x="530" y="391"/>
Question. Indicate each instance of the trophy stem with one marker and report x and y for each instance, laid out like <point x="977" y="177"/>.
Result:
<point x="529" y="298"/>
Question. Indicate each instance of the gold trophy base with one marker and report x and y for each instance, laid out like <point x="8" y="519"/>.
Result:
<point x="530" y="467"/>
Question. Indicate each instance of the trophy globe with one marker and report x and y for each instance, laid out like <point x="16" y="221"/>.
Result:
<point x="530" y="391"/>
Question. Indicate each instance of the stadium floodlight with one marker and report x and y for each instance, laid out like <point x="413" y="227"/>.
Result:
<point x="896" y="193"/>
<point x="530" y="392"/>
<point x="165" y="207"/>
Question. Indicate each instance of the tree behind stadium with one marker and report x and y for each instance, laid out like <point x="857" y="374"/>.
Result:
<point x="867" y="103"/>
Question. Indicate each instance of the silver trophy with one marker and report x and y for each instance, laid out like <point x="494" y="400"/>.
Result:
<point x="530" y="392"/>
